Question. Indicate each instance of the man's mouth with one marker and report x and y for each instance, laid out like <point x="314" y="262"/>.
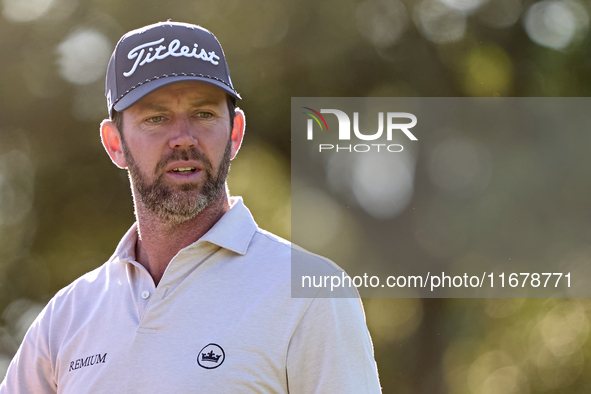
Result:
<point x="184" y="170"/>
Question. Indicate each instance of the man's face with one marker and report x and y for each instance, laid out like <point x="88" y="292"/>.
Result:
<point x="177" y="145"/>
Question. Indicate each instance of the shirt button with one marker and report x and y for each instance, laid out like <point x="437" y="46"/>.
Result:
<point x="145" y="294"/>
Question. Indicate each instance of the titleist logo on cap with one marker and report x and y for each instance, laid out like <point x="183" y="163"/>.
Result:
<point x="146" y="53"/>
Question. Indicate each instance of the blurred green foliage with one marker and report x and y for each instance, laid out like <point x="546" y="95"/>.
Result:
<point x="64" y="206"/>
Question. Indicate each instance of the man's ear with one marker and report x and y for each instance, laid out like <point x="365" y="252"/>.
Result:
<point x="238" y="131"/>
<point x="111" y="140"/>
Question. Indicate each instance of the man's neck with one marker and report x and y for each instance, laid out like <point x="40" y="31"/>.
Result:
<point x="159" y="241"/>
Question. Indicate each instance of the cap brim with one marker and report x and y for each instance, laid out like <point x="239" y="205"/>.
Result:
<point x="142" y="91"/>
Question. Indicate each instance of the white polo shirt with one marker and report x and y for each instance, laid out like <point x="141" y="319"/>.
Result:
<point x="221" y="320"/>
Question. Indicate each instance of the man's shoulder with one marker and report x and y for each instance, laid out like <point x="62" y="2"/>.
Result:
<point x="74" y="301"/>
<point x="247" y="237"/>
<point x="287" y="252"/>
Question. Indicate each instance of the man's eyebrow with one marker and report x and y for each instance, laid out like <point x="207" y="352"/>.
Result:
<point x="153" y="106"/>
<point x="161" y="106"/>
<point x="204" y="101"/>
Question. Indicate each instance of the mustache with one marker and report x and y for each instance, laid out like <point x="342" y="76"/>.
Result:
<point x="185" y="154"/>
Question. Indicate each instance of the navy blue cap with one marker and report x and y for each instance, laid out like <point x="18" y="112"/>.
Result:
<point x="161" y="54"/>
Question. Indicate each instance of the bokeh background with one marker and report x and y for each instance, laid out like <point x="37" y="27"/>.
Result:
<point x="64" y="206"/>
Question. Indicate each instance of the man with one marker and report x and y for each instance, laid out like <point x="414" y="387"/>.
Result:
<point x="196" y="298"/>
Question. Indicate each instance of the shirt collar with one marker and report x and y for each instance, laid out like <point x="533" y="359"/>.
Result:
<point x="126" y="248"/>
<point x="233" y="231"/>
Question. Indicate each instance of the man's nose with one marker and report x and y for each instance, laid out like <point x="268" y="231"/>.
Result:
<point x="183" y="134"/>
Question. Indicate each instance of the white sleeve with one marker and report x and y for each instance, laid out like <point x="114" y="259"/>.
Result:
<point x="31" y="369"/>
<point x="331" y="350"/>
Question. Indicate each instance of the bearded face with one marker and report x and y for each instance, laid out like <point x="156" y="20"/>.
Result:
<point x="178" y="203"/>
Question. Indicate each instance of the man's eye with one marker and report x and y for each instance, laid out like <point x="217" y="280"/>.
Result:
<point x="155" y="119"/>
<point x="204" y="115"/>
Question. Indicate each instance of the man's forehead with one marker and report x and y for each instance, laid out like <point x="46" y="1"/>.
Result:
<point x="187" y="93"/>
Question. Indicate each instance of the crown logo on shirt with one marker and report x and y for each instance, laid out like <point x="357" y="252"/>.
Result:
<point x="211" y="356"/>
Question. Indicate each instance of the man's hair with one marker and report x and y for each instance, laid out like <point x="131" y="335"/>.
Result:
<point x="231" y="102"/>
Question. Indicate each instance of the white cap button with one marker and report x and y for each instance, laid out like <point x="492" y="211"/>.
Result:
<point x="145" y="294"/>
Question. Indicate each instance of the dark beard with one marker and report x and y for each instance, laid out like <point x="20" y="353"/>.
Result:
<point x="178" y="206"/>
